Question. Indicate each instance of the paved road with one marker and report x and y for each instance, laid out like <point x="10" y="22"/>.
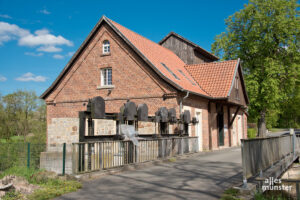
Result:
<point x="201" y="176"/>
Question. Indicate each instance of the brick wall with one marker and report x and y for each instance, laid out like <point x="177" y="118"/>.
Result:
<point x="132" y="79"/>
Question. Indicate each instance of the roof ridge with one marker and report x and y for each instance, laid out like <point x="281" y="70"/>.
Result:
<point x="215" y="62"/>
<point x="141" y="35"/>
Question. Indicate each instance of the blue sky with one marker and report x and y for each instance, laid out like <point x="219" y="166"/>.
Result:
<point x="37" y="38"/>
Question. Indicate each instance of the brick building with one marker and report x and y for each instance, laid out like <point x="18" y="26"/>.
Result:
<point x="119" y="65"/>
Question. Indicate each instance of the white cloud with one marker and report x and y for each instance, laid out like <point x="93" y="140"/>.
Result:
<point x="2" y="78"/>
<point x="49" y="49"/>
<point x="11" y="31"/>
<point x="58" y="56"/>
<point x="31" y="77"/>
<point x="5" y="16"/>
<point x="43" y="39"/>
<point x="33" y="54"/>
<point x="46" y="12"/>
<point x="71" y="53"/>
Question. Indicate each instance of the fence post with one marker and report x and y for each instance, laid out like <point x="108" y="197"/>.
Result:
<point x="64" y="159"/>
<point x="243" y="151"/>
<point x="293" y="140"/>
<point x="28" y="155"/>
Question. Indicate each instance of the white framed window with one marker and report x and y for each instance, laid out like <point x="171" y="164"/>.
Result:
<point x="106" y="77"/>
<point x="106" y="47"/>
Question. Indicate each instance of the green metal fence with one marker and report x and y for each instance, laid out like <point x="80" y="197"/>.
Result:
<point x="20" y="154"/>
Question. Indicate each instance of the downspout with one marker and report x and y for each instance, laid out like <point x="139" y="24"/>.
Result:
<point x="180" y="105"/>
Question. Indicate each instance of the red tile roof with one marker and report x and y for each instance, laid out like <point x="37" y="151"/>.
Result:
<point x="157" y="55"/>
<point x="212" y="80"/>
<point x="215" y="78"/>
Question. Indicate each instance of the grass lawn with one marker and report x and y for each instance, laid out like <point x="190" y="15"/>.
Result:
<point x="49" y="187"/>
<point x="274" y="130"/>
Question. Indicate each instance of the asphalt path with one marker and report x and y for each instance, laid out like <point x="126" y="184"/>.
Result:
<point x="200" y="176"/>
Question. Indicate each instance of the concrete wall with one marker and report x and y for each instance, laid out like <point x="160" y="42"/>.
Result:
<point x="145" y="128"/>
<point x="103" y="127"/>
<point x="53" y="161"/>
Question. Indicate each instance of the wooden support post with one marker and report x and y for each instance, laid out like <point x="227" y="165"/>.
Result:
<point x="82" y="118"/>
<point x="228" y="124"/>
<point x="209" y="126"/>
<point x="298" y="190"/>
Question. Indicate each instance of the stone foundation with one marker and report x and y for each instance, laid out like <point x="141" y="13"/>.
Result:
<point x="62" y="130"/>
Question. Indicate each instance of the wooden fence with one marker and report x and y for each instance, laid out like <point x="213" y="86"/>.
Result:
<point x="261" y="153"/>
<point x="90" y="156"/>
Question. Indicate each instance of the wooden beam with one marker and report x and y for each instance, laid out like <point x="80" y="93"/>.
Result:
<point x="235" y="114"/>
<point x="209" y="126"/>
<point x="228" y="122"/>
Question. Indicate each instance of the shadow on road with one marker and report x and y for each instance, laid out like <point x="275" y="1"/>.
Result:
<point x="198" y="177"/>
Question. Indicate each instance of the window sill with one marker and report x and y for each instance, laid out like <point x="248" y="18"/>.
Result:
<point x="105" y="87"/>
<point x="105" y="54"/>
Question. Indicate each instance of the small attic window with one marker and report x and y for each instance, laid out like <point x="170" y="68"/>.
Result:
<point x="167" y="68"/>
<point x="192" y="82"/>
<point x="106" y="47"/>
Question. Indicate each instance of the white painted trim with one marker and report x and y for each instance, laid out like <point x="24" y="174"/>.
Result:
<point x="199" y="132"/>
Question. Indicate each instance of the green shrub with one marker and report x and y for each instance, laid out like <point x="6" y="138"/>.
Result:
<point x="251" y="133"/>
<point x="271" y="195"/>
<point x="230" y="194"/>
<point x="54" y="188"/>
<point x="13" y="196"/>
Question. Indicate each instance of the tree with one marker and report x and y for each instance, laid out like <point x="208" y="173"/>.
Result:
<point x="291" y="110"/>
<point x="21" y="113"/>
<point x="265" y="36"/>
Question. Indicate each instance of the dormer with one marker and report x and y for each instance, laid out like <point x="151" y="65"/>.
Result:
<point x="187" y="51"/>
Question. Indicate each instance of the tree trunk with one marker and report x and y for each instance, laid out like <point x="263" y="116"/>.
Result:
<point x="262" y="129"/>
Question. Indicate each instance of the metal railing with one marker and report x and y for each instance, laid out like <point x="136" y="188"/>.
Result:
<point x="261" y="153"/>
<point x="92" y="156"/>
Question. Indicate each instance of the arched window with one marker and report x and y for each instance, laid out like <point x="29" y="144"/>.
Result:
<point x="106" y="47"/>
